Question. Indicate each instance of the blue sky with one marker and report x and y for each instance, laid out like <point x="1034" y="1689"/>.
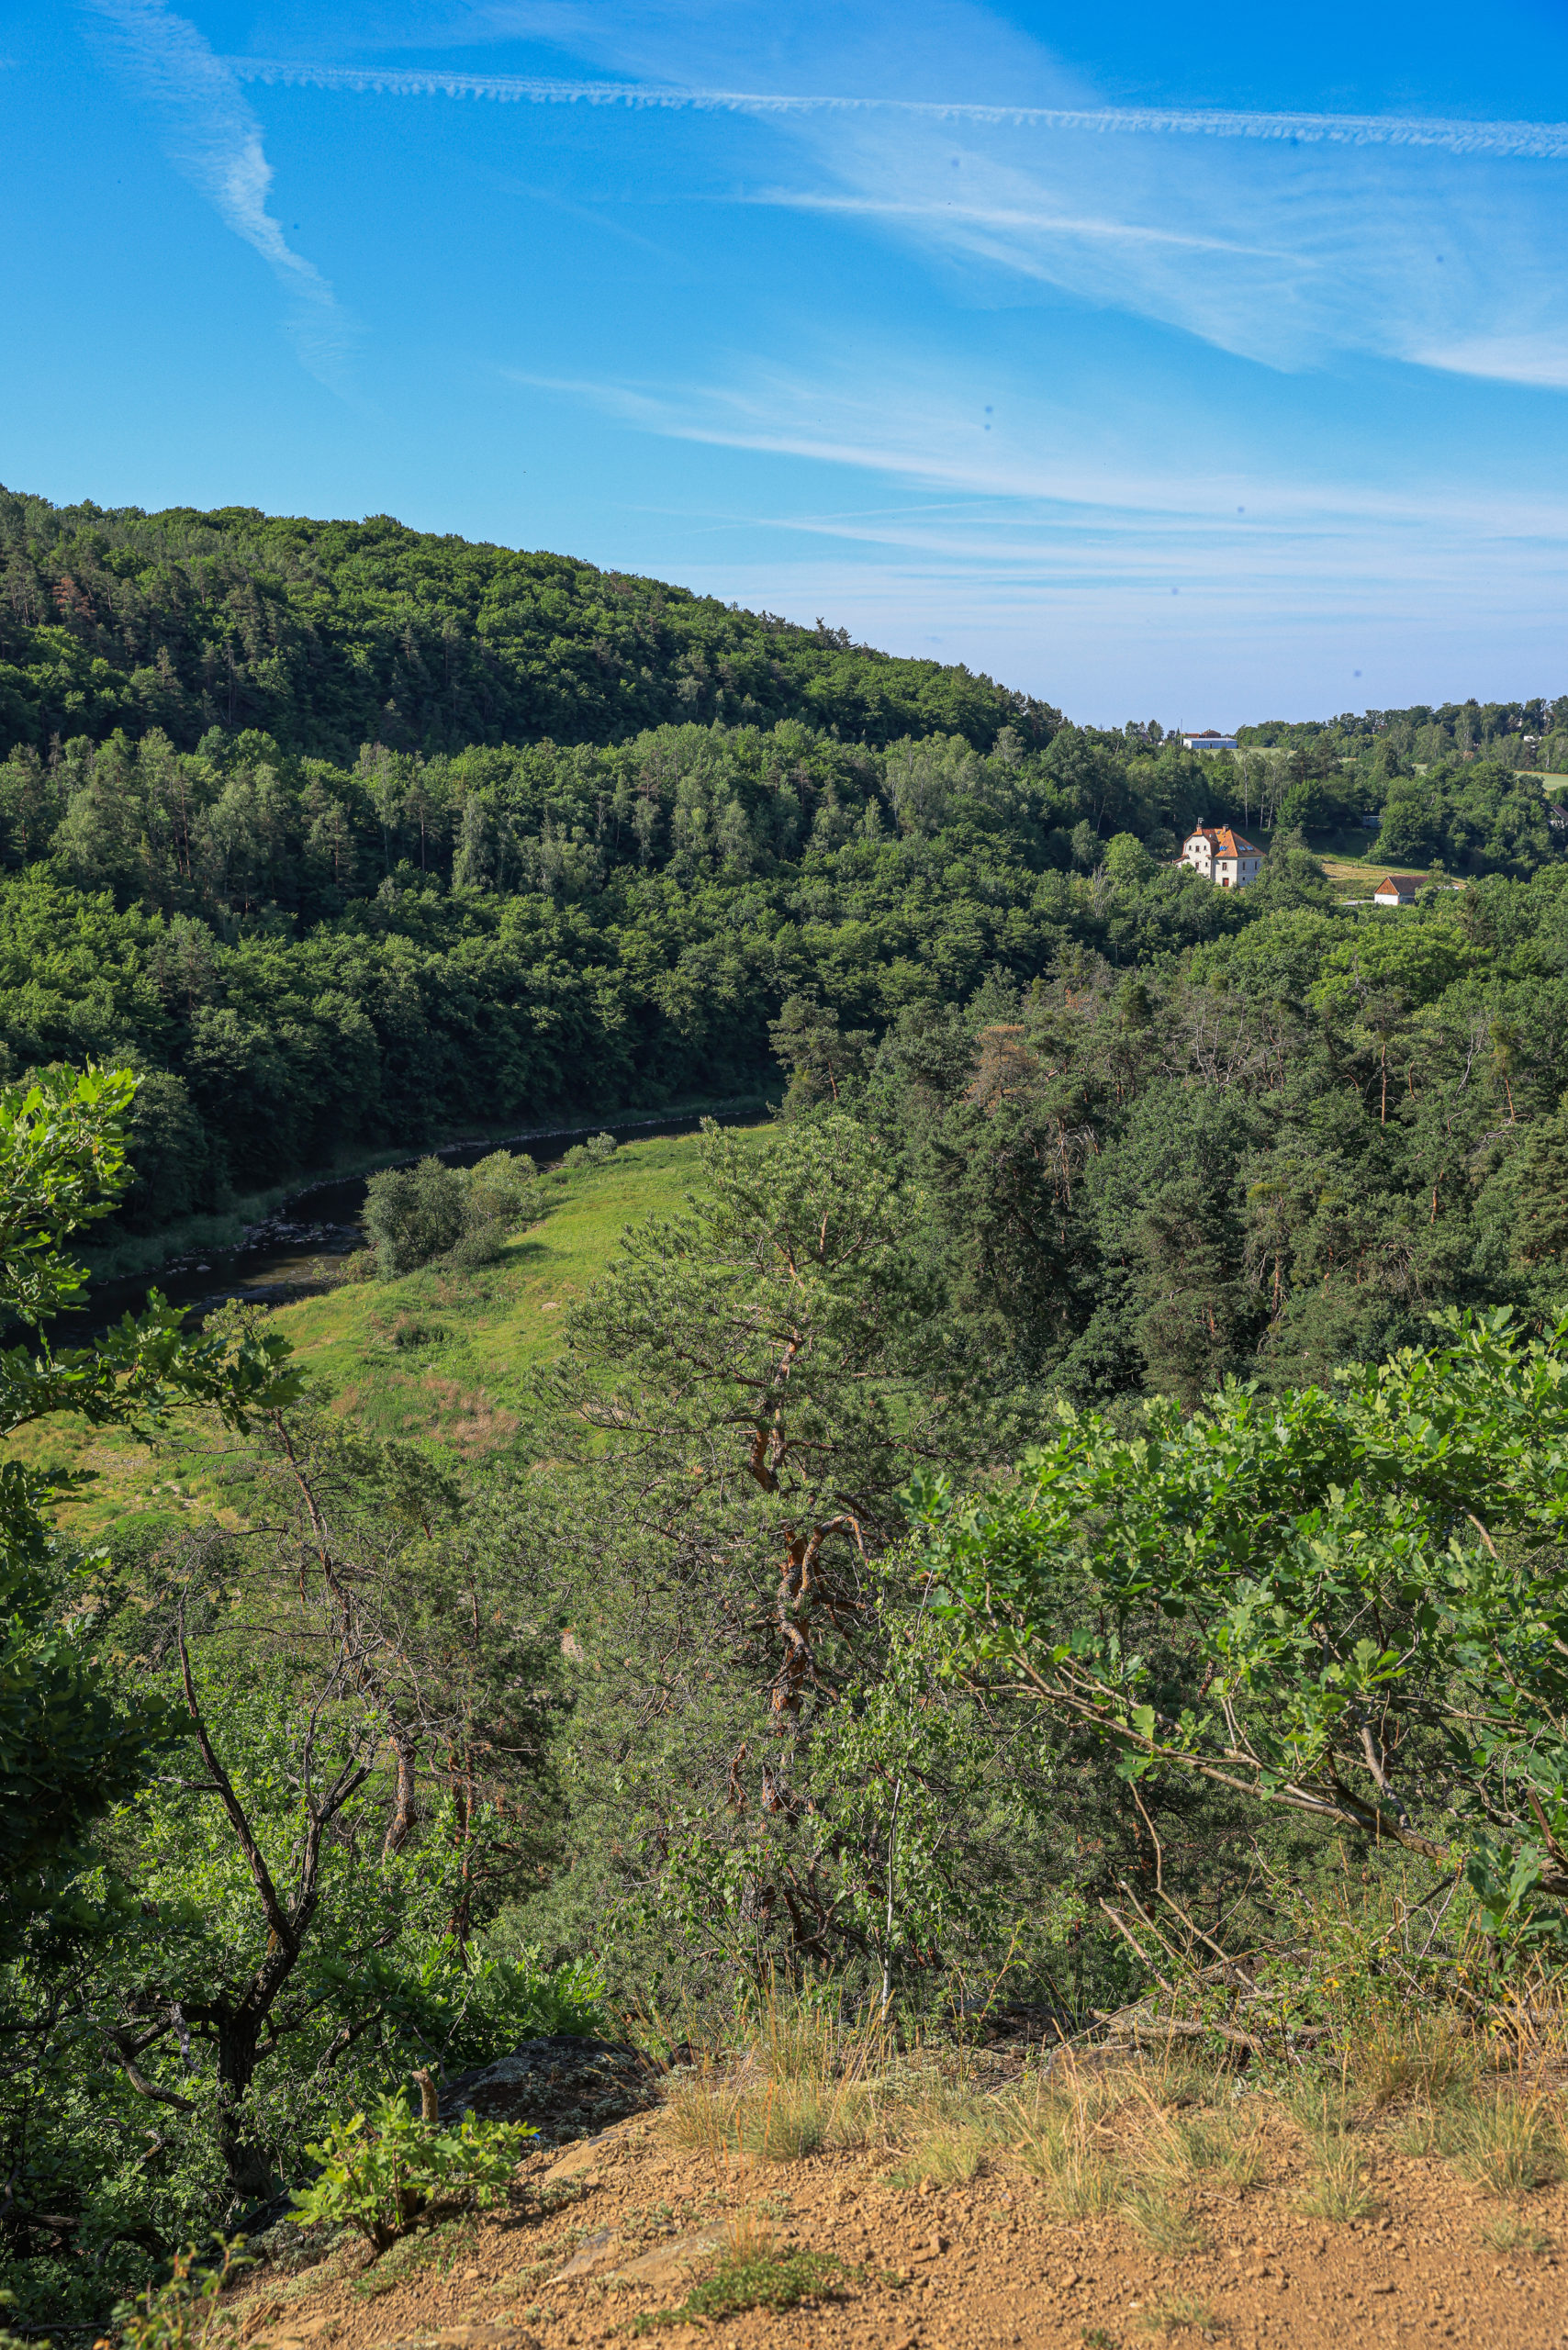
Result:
<point x="1206" y="365"/>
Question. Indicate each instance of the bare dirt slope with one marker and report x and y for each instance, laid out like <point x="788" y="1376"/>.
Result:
<point x="621" y="2226"/>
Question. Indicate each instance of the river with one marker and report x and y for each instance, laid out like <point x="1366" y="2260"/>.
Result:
<point x="281" y="1257"/>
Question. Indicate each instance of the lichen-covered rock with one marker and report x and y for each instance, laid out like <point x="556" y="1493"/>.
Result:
<point x="567" y="2087"/>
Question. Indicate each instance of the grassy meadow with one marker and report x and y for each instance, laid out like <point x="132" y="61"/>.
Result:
<point x="441" y="1357"/>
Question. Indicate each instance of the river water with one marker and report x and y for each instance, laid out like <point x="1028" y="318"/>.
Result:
<point x="283" y="1258"/>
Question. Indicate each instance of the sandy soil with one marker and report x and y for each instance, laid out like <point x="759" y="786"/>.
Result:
<point x="621" y="2224"/>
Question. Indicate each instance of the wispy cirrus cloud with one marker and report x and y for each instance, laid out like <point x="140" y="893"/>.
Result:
<point x="1058" y="549"/>
<point x="211" y="135"/>
<point x="1051" y="464"/>
<point x="1280" y="236"/>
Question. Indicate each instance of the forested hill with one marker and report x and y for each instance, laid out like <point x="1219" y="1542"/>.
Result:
<point x="325" y="635"/>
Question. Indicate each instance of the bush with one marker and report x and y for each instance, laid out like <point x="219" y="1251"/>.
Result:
<point x="412" y="1214"/>
<point x="383" y="2181"/>
<point x="501" y="1190"/>
<point x="592" y="1153"/>
<point x="412" y="1333"/>
<point x="186" y="2314"/>
<point x="483" y="1246"/>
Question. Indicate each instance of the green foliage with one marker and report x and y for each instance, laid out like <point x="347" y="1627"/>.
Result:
<point x="69" y="1744"/>
<point x="1349" y="1603"/>
<point x="761" y="2280"/>
<point x="742" y="1400"/>
<point x="413" y="1215"/>
<point x="592" y="1153"/>
<point x="397" y="2172"/>
<point x="331" y="635"/>
<point x="187" y="2312"/>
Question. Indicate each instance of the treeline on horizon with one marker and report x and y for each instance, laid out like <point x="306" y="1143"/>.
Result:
<point x="328" y="634"/>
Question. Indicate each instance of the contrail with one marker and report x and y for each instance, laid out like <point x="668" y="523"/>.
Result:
<point x="1535" y="140"/>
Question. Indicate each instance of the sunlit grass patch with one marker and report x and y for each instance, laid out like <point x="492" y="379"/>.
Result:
<point x="1160" y="2219"/>
<point x="1508" y="2143"/>
<point x="1339" y="2187"/>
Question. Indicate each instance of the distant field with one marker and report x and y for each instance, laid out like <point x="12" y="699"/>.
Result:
<point x="1348" y="857"/>
<point x="440" y="1357"/>
<point x="1362" y="878"/>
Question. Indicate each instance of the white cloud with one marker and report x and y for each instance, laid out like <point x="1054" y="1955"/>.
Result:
<point x="1507" y="358"/>
<point x="1057" y="550"/>
<point x="212" y="136"/>
<point x="919" y="424"/>
<point x="1281" y="237"/>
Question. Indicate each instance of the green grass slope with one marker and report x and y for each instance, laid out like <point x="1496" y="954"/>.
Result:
<point x="445" y="1355"/>
<point x="441" y="1357"/>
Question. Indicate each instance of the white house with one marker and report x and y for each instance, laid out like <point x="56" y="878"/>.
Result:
<point x="1397" y="890"/>
<point x="1209" y="741"/>
<point x="1222" y="856"/>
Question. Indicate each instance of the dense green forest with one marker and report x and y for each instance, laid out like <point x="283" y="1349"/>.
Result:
<point x="418" y="835"/>
<point x="1514" y="733"/>
<point x="326" y="635"/>
<point x="1106" y="1431"/>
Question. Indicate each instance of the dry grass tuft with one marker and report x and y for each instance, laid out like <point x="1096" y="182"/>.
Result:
<point x="748" y="2236"/>
<point x="1075" y="2164"/>
<point x="1164" y="2224"/>
<point x="784" y="2122"/>
<point x="1173" y="2311"/>
<point x="1508" y="2143"/>
<point x="698" y="2118"/>
<point x="1179" y="2148"/>
<point x="1339" y="2188"/>
<point x="1402" y="2049"/>
<point x="947" y="2155"/>
<point x="772" y="2121"/>
<point x="1508" y="2232"/>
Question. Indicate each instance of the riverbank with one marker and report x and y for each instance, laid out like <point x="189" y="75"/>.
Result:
<point x="251" y="1222"/>
<point x="443" y="1357"/>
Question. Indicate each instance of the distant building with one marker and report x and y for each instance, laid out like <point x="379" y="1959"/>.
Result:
<point x="1372" y="824"/>
<point x="1209" y="741"/>
<point x="1222" y="856"/>
<point x="1398" y="889"/>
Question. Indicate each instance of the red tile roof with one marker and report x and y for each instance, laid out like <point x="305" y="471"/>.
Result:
<point x="1224" y="841"/>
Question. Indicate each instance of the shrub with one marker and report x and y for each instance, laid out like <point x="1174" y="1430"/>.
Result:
<point x="412" y="1214"/>
<point x="501" y="1190"/>
<point x="761" y="2279"/>
<point x="186" y="2314"/>
<point x="592" y="1153"/>
<point x="484" y="1244"/>
<point x="411" y="1333"/>
<point x="387" y="2179"/>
